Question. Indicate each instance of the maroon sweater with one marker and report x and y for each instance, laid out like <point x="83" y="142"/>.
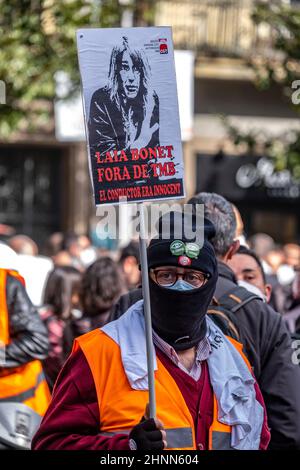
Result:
<point x="72" y="419"/>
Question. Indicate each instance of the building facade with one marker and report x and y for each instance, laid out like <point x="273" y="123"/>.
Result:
<point x="44" y="183"/>
<point x="224" y="40"/>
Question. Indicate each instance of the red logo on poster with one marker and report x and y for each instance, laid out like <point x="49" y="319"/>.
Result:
<point x="184" y="260"/>
<point x="163" y="46"/>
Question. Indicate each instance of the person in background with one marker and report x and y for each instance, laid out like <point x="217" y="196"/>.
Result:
<point x="101" y="286"/>
<point x="84" y="241"/>
<point x="292" y="316"/>
<point x="33" y="267"/>
<point x="249" y="272"/>
<point x="73" y="246"/>
<point x="263" y="333"/>
<point x="54" y="250"/>
<point x="54" y="244"/>
<point x="240" y="232"/>
<point x="296" y="285"/>
<point x="292" y="254"/>
<point x="262" y="244"/>
<point x="275" y="258"/>
<point x="6" y="232"/>
<point x="23" y="345"/>
<point x="8" y="258"/>
<point x="61" y="308"/>
<point x="286" y="271"/>
<point x="129" y="261"/>
<point x="62" y="258"/>
<point x="88" y="253"/>
<point x="23" y="245"/>
<point x="283" y="298"/>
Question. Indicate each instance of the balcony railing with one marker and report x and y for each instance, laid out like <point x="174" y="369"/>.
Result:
<point x="215" y="27"/>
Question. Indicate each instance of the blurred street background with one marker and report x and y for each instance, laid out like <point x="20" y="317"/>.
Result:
<point x="237" y="65"/>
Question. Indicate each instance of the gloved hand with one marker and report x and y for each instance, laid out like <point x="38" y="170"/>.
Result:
<point x="149" y="434"/>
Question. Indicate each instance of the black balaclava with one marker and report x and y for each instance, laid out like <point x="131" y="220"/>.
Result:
<point x="178" y="316"/>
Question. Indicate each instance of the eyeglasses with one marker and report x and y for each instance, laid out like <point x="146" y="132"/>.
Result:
<point x="168" y="277"/>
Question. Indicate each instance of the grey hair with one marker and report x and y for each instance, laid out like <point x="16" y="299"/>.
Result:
<point x="220" y="212"/>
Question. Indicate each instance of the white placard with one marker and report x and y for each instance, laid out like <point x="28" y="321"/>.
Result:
<point x="131" y="113"/>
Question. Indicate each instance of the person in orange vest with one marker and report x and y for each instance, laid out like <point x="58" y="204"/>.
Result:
<point x="206" y="394"/>
<point x="23" y="344"/>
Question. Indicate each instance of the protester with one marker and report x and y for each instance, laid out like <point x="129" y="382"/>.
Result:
<point x="249" y="272"/>
<point x="32" y="267"/>
<point x="101" y="395"/>
<point x="72" y="245"/>
<point x="292" y="316"/>
<point x="296" y="286"/>
<point x="23" y="344"/>
<point x="129" y="261"/>
<point x="6" y="231"/>
<point x="101" y="286"/>
<point x="284" y="268"/>
<point x="62" y="258"/>
<point x="292" y="254"/>
<point x="240" y="229"/>
<point x="274" y="258"/>
<point x="262" y="331"/>
<point x="54" y="244"/>
<point x="262" y="244"/>
<point x="88" y="253"/>
<point x="61" y="308"/>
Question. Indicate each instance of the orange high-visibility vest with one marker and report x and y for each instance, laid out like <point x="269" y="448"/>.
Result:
<point x="24" y="384"/>
<point x="121" y="407"/>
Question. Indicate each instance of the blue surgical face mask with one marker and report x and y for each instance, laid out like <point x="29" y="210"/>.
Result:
<point x="180" y="284"/>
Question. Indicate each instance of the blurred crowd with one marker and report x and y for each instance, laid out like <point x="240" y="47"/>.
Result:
<point x="75" y="286"/>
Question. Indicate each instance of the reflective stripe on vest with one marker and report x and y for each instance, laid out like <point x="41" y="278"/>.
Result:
<point x="219" y="433"/>
<point x="221" y="441"/>
<point x="23" y="396"/>
<point x="219" y="437"/>
<point x="4" y="328"/>
<point x="176" y="438"/>
<point x="24" y="384"/>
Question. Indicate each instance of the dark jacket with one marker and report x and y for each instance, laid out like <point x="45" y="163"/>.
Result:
<point x="267" y="344"/>
<point x="28" y="335"/>
<point x="57" y="356"/>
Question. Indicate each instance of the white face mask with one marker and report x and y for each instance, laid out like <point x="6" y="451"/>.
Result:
<point x="76" y="313"/>
<point x="88" y="256"/>
<point x="180" y="284"/>
<point x="251" y="288"/>
<point x="285" y="274"/>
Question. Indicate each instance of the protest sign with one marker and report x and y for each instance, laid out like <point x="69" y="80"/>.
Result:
<point x="131" y="113"/>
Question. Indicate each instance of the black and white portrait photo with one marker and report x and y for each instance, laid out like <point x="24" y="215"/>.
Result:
<point x="124" y="114"/>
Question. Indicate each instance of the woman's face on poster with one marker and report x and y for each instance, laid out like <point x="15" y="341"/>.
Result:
<point x="130" y="76"/>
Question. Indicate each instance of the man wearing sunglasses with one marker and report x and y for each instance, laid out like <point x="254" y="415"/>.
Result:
<point x="206" y="394"/>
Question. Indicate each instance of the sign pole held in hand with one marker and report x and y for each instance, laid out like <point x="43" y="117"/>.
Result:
<point x="147" y="312"/>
